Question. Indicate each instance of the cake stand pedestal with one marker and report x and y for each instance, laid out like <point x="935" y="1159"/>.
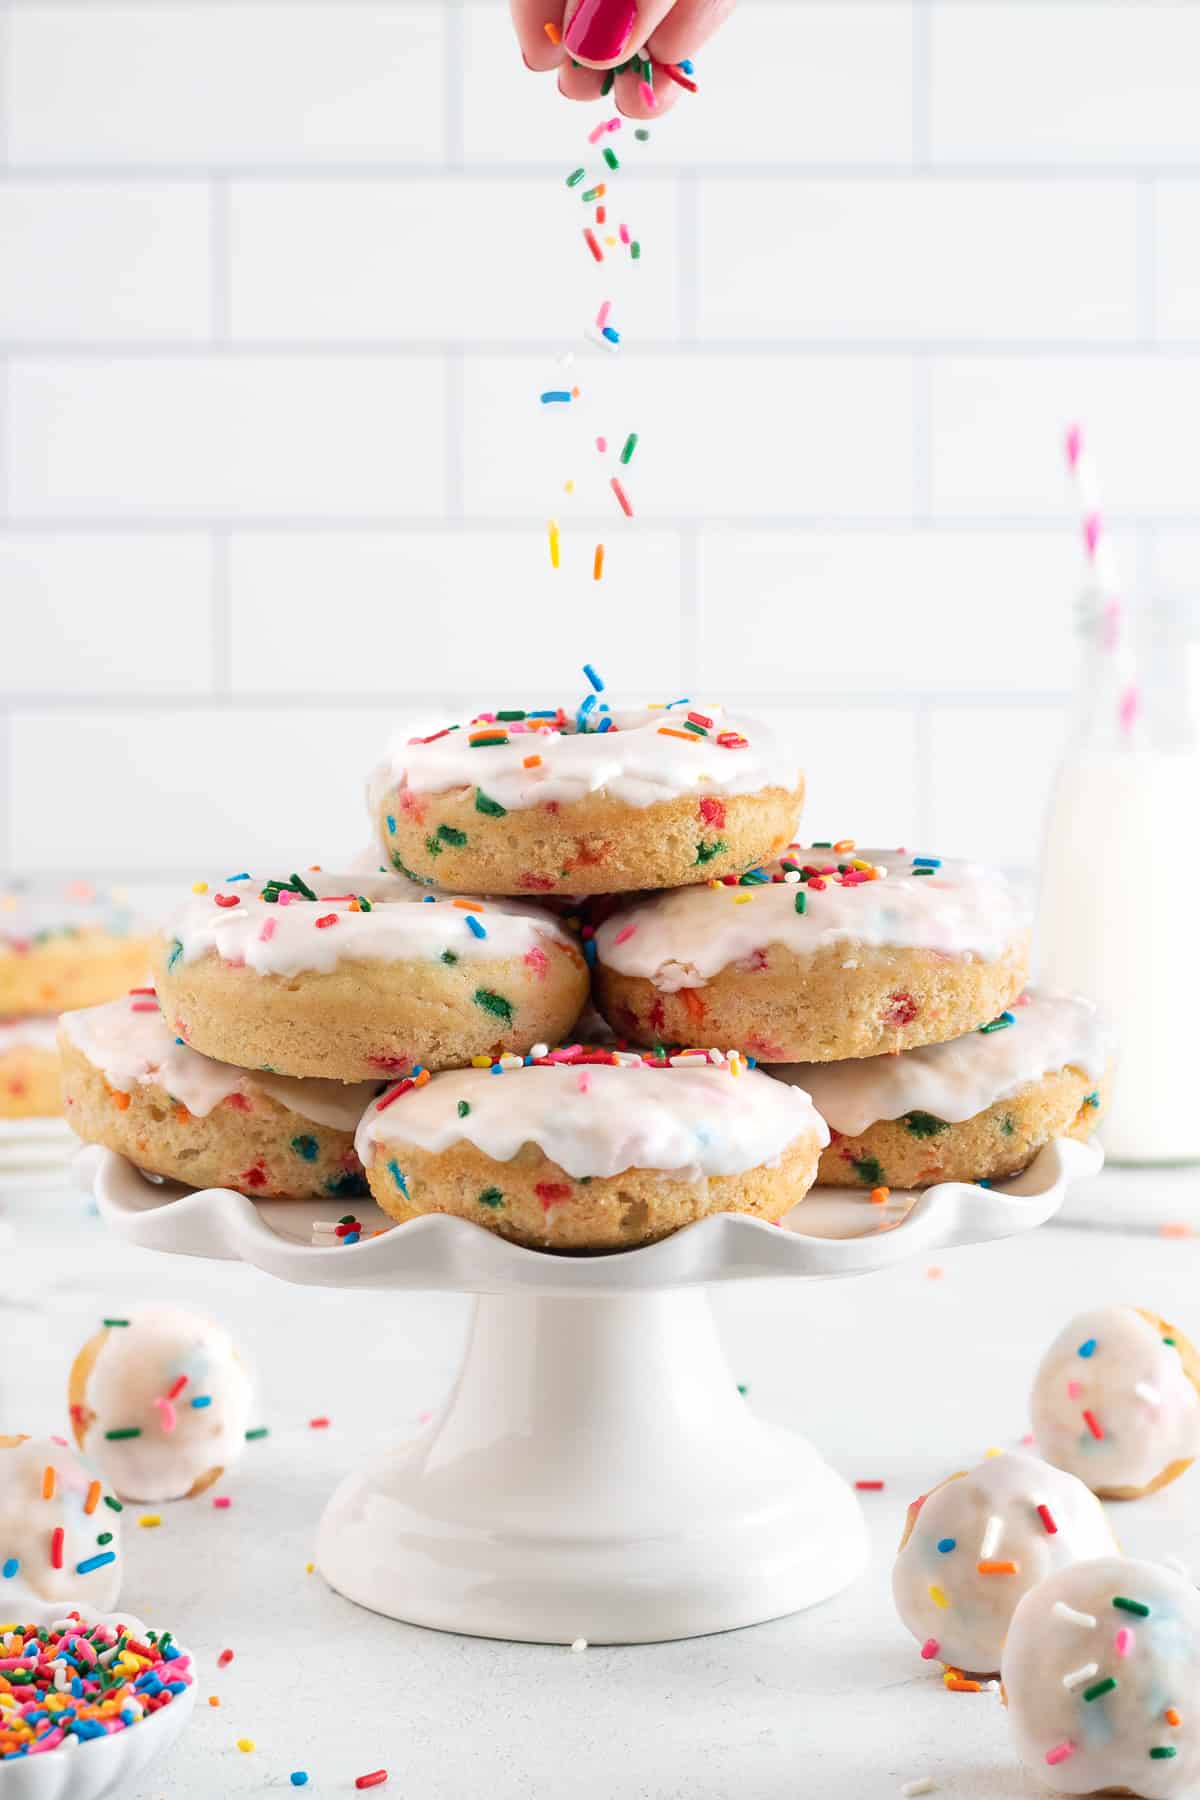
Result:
<point x="594" y="1472"/>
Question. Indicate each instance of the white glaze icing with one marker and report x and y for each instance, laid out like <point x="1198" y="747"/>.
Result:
<point x="132" y="1045"/>
<point x="28" y="1522"/>
<point x="1078" y="1745"/>
<point x="1136" y="1389"/>
<point x="683" y="938"/>
<point x="33" y="1033"/>
<point x="633" y="763"/>
<point x="956" y="1080"/>
<point x="690" y="1122"/>
<point x="138" y="1366"/>
<point x="990" y="1515"/>
<point x="30" y="912"/>
<point x="405" y="924"/>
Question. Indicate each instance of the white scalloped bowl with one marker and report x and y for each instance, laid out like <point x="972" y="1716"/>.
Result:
<point x="100" y="1766"/>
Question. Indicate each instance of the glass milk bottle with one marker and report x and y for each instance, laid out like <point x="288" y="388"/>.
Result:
<point x="1120" y="878"/>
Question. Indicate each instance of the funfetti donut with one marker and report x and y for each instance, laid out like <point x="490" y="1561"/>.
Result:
<point x="60" y="1532"/>
<point x="1116" y="1400"/>
<point x="69" y="945"/>
<point x="829" y="952"/>
<point x="978" y="1107"/>
<point x="976" y="1543"/>
<point x="592" y="1149"/>
<point x="131" y="1085"/>
<point x="1101" y="1675"/>
<point x="585" y="802"/>
<point x="161" y="1403"/>
<point x="29" y="1068"/>
<point x="361" y="977"/>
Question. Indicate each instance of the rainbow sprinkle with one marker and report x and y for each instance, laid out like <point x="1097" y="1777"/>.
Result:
<point x="69" y="1681"/>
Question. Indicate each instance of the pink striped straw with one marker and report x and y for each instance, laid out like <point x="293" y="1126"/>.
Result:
<point x="1097" y="544"/>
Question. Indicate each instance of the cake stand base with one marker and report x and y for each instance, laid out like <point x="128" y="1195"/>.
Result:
<point x="594" y="1474"/>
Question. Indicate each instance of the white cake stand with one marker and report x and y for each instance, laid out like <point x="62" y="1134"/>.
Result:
<point x="594" y="1473"/>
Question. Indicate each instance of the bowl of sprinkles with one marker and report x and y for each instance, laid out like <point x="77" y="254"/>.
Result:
<point x="86" y="1704"/>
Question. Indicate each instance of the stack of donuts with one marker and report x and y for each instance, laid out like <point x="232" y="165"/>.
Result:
<point x="419" y="1028"/>
<point x="68" y="945"/>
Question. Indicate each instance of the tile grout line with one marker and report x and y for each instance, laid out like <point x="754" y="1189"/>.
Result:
<point x="922" y="84"/>
<point x="999" y="350"/>
<point x="454" y="44"/>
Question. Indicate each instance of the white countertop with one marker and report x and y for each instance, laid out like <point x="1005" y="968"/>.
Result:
<point x="898" y="1377"/>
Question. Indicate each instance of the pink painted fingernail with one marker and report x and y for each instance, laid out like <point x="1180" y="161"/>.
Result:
<point x="600" y="29"/>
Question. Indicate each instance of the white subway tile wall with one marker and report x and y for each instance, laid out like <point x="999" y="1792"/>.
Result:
<point x="281" y="280"/>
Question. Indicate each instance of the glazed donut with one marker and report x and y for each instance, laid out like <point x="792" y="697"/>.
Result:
<point x="364" y="983"/>
<point x="72" y="946"/>
<point x="823" y="955"/>
<point x="977" y="1542"/>
<point x="1101" y="1672"/>
<point x="592" y="1149"/>
<point x="160" y="1402"/>
<point x="1116" y="1400"/>
<point x="129" y="1084"/>
<point x="60" y="1531"/>
<point x="542" y="802"/>
<point x="29" y="1068"/>
<point x="978" y="1107"/>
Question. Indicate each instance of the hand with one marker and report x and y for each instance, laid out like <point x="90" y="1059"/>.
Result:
<point x="600" y="35"/>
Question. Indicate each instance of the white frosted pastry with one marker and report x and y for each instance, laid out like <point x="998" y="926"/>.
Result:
<point x="683" y="939"/>
<point x="405" y="924"/>
<point x="588" y="802"/>
<point x="693" y="1120"/>
<point x="60" y="1532"/>
<point x="954" y="1081"/>
<point x="592" y="1149"/>
<point x="978" y="1542"/>
<point x="28" y="1034"/>
<point x="132" y="1045"/>
<point x="821" y="955"/>
<point x="642" y="758"/>
<point x="1116" y="1401"/>
<point x="1101" y="1674"/>
<point x="161" y="1403"/>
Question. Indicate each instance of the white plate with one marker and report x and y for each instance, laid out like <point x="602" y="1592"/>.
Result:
<point x="834" y="1232"/>
<point x="100" y="1766"/>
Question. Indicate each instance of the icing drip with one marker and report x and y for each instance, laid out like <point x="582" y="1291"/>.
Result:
<point x="35" y="1563"/>
<point x="1101" y="1671"/>
<point x="1114" y="1364"/>
<point x="403" y="925"/>
<point x="990" y="1517"/>
<point x="131" y="1044"/>
<point x="135" y="1385"/>
<point x="956" y="1080"/>
<point x="28" y="1034"/>
<point x="689" y="1121"/>
<point x="648" y="755"/>
<point x="682" y="939"/>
